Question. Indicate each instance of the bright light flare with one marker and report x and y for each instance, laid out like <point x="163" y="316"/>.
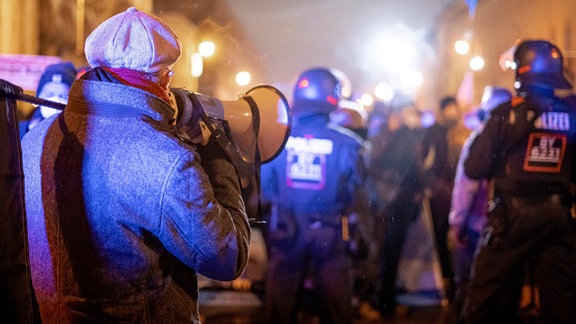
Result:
<point x="367" y="99"/>
<point x="392" y="54"/>
<point x="197" y="65"/>
<point x="243" y="78"/>
<point x="461" y="47"/>
<point x="384" y="91"/>
<point x="400" y="54"/>
<point x="392" y="51"/>
<point x="476" y="63"/>
<point x="412" y="78"/>
<point x="207" y="48"/>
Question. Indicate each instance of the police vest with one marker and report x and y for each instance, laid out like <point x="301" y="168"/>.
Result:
<point x="538" y="147"/>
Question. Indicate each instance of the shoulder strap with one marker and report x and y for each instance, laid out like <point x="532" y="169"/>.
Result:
<point x="529" y="126"/>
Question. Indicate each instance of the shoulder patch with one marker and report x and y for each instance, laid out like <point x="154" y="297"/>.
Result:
<point x="517" y="101"/>
<point x="545" y="152"/>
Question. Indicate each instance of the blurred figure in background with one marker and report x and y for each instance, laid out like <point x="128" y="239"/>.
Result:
<point x="17" y="299"/>
<point x="311" y="186"/>
<point x="377" y="118"/>
<point x="442" y="144"/>
<point x="469" y="204"/>
<point x="351" y="115"/>
<point x="363" y="243"/>
<point x="527" y="147"/>
<point x="54" y="85"/>
<point x="394" y="174"/>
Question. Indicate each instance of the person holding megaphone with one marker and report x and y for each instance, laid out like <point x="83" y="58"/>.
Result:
<point x="122" y="214"/>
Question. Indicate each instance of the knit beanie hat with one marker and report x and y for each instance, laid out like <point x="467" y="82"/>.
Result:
<point x="63" y="72"/>
<point x="133" y="40"/>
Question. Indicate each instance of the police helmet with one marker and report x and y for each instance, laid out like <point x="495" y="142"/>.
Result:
<point x="492" y="98"/>
<point x="317" y="90"/>
<point x="539" y="63"/>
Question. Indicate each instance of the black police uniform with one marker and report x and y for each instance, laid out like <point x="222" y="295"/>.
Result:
<point x="528" y="148"/>
<point x="311" y="183"/>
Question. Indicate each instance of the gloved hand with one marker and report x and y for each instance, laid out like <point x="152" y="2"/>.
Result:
<point x="9" y="90"/>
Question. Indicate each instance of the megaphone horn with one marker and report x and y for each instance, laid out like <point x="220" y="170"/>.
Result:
<point x="259" y="121"/>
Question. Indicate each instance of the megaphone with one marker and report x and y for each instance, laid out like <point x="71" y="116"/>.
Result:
<point x="257" y="124"/>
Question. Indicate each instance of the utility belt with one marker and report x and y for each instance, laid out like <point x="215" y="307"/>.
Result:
<point x="531" y="193"/>
<point x="333" y="221"/>
<point x="323" y="220"/>
<point x="504" y="209"/>
<point x="552" y="199"/>
<point x="502" y="203"/>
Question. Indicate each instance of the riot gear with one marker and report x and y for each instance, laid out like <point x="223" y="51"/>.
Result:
<point x="526" y="149"/>
<point x="317" y="90"/>
<point x="538" y="63"/>
<point x="313" y="187"/>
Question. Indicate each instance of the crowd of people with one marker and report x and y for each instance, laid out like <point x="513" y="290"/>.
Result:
<point x="123" y="214"/>
<point x="498" y="199"/>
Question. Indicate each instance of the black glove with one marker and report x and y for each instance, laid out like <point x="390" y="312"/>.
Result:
<point x="10" y="90"/>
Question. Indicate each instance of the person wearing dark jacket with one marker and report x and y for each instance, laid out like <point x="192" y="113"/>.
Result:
<point x="441" y="147"/>
<point x="311" y="187"/>
<point x="527" y="148"/>
<point x="395" y="181"/>
<point x="122" y="214"/>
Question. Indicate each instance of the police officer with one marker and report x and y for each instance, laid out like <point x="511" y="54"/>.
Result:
<point x="527" y="148"/>
<point x="311" y="187"/>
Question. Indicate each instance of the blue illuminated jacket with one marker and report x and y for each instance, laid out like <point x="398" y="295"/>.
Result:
<point x="318" y="172"/>
<point x="122" y="215"/>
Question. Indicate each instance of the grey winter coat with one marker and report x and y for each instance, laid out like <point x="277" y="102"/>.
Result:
<point x="122" y="215"/>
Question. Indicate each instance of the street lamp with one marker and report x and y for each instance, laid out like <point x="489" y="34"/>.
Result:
<point x="461" y="47"/>
<point x="197" y="65"/>
<point x="476" y="63"/>
<point x="243" y="78"/>
<point x="384" y="91"/>
<point x="207" y="48"/>
<point x="367" y="99"/>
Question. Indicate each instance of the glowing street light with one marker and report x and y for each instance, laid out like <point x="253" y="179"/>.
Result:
<point x="243" y="78"/>
<point x="206" y="48"/>
<point x="197" y="66"/>
<point x="384" y="91"/>
<point x="462" y="47"/>
<point x="367" y="99"/>
<point x="476" y="63"/>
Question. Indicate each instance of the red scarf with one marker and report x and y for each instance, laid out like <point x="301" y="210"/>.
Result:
<point x="139" y="80"/>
